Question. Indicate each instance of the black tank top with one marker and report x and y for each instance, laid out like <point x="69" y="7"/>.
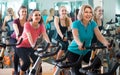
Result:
<point x="63" y="30"/>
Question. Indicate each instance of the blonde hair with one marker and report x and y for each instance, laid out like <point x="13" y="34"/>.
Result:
<point x="95" y="19"/>
<point x="52" y="9"/>
<point x="10" y="11"/>
<point x="67" y="21"/>
<point x="44" y="12"/>
<point x="82" y="10"/>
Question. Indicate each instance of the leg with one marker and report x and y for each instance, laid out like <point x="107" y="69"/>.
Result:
<point x="59" y="54"/>
<point x="72" y="57"/>
<point x="64" y="45"/>
<point x="23" y="53"/>
<point x="15" y="57"/>
<point x="39" y="68"/>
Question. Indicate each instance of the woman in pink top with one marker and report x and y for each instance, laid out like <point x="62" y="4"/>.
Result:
<point x="32" y="30"/>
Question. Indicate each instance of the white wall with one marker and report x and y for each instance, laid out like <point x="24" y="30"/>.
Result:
<point x="109" y="7"/>
<point x="118" y="7"/>
<point x="14" y="4"/>
<point x="97" y="3"/>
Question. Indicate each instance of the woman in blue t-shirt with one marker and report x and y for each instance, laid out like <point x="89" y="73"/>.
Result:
<point x="83" y="30"/>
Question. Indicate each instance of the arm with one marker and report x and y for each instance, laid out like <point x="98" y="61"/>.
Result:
<point x="45" y="36"/>
<point x="15" y="27"/>
<point x="30" y="39"/>
<point x="77" y="40"/>
<point x="56" y="23"/>
<point x="69" y="28"/>
<point x="3" y="26"/>
<point x="100" y="37"/>
<point x="48" y="19"/>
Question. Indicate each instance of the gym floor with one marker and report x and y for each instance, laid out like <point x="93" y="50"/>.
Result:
<point x="47" y="69"/>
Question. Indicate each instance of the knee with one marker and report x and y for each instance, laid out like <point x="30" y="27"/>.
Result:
<point x="25" y="65"/>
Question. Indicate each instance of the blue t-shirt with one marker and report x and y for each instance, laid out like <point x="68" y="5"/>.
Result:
<point x="85" y="34"/>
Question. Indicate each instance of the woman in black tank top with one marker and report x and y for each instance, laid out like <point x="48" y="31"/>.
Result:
<point x="98" y="14"/>
<point x="62" y="24"/>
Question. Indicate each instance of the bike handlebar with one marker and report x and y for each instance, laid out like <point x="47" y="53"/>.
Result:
<point x="97" y="47"/>
<point x="111" y="22"/>
<point x="68" y="64"/>
<point x="48" y="54"/>
<point x="47" y="46"/>
<point x="43" y="50"/>
<point x="12" y="44"/>
<point x="111" y="72"/>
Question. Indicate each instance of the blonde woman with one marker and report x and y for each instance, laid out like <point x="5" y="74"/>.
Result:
<point x="8" y="21"/>
<point x="83" y="30"/>
<point x="50" y="24"/>
<point x="62" y="25"/>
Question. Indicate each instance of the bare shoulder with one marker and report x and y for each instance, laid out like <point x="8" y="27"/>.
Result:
<point x="56" y="17"/>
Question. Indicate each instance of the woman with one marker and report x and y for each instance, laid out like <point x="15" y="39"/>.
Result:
<point x="8" y="21"/>
<point x="18" y="25"/>
<point x="83" y="30"/>
<point x="50" y="24"/>
<point x="62" y="25"/>
<point x="32" y="30"/>
<point x="98" y="18"/>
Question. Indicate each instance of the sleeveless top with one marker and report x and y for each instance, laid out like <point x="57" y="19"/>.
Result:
<point x="63" y="30"/>
<point x="94" y="40"/>
<point x="9" y="25"/>
<point x="51" y="23"/>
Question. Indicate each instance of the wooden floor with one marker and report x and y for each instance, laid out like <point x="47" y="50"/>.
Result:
<point x="47" y="70"/>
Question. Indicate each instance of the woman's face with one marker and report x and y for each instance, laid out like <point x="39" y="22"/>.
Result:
<point x="99" y="12"/>
<point x="87" y="15"/>
<point x="36" y="17"/>
<point x="52" y="12"/>
<point x="10" y="11"/>
<point x="23" y="12"/>
<point x="63" y="11"/>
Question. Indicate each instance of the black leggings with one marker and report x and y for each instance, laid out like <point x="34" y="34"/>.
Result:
<point x="72" y="57"/>
<point x="16" y="58"/>
<point x="25" y="54"/>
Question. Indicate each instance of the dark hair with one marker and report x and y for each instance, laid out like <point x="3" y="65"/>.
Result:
<point x="76" y="11"/>
<point x="41" y="21"/>
<point x="22" y="7"/>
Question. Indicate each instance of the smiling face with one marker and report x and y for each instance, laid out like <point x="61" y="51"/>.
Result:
<point x="23" y="12"/>
<point x="99" y="12"/>
<point x="36" y="16"/>
<point x="10" y="11"/>
<point x="52" y="11"/>
<point x="63" y="11"/>
<point x="87" y="14"/>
